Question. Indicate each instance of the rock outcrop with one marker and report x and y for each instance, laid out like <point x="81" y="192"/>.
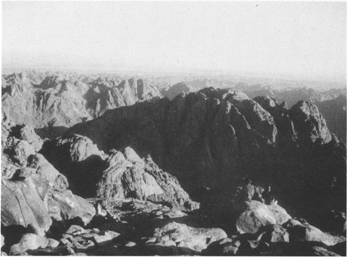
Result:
<point x="33" y="191"/>
<point x="304" y="232"/>
<point x="310" y="125"/>
<point x="25" y="203"/>
<point x="79" y="160"/>
<point x="117" y="176"/>
<point x="32" y="242"/>
<point x="259" y="215"/>
<point x="128" y="176"/>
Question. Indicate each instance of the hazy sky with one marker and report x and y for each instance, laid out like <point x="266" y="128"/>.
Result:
<point x="276" y="37"/>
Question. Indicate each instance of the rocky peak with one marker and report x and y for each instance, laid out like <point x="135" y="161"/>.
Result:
<point x="176" y="89"/>
<point x="309" y="123"/>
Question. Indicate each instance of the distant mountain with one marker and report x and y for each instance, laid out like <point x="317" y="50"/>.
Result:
<point x="199" y="84"/>
<point x="291" y="95"/>
<point x="53" y="103"/>
<point x="174" y="90"/>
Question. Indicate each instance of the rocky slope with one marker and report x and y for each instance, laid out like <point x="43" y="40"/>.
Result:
<point x="51" y="103"/>
<point x="213" y="138"/>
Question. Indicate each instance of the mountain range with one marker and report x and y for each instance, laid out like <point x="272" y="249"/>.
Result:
<point x="111" y="165"/>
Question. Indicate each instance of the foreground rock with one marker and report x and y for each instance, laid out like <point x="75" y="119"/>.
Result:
<point x="24" y="203"/>
<point x="34" y="194"/>
<point x="135" y="227"/>
<point x="307" y="233"/>
<point x="292" y="238"/>
<point x="259" y="215"/>
<point x="32" y="242"/>
<point x="152" y="229"/>
<point x="130" y="228"/>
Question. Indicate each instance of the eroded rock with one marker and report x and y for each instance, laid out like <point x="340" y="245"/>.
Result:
<point x="129" y="176"/>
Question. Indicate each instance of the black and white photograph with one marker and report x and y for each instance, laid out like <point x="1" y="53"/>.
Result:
<point x="173" y="128"/>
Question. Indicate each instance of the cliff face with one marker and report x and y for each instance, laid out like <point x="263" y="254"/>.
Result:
<point x="215" y="137"/>
<point x="53" y="103"/>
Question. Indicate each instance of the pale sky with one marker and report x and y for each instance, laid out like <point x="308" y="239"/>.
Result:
<point x="305" y="38"/>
